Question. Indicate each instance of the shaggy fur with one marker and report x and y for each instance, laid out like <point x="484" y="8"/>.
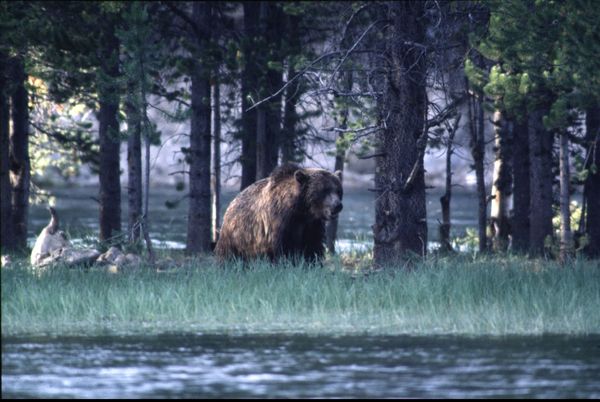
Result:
<point x="281" y="215"/>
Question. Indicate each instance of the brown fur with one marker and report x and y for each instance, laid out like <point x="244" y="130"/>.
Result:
<point x="281" y="215"/>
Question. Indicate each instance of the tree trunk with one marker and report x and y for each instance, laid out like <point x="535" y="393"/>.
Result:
<point x="540" y="181"/>
<point x="476" y="128"/>
<point x="332" y="225"/>
<point x="274" y="116"/>
<point x="566" y="237"/>
<point x="445" y="226"/>
<point x="480" y="174"/>
<point x="199" y="215"/>
<point x="501" y="183"/>
<point x="110" y="139"/>
<point x="216" y="154"/>
<point x="340" y="158"/>
<point x="19" y="154"/>
<point x="134" y="170"/>
<point x="269" y="114"/>
<point x="400" y="211"/>
<point x="261" y="142"/>
<point x="521" y="196"/>
<point x="6" y="234"/>
<point x="289" y="149"/>
<point x="249" y="87"/>
<point x="289" y="135"/>
<point x="592" y="183"/>
<point x="146" y="217"/>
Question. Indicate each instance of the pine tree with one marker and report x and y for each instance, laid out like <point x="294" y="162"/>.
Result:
<point x="400" y="214"/>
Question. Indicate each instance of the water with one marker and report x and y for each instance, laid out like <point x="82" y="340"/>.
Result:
<point x="78" y="212"/>
<point x="289" y="366"/>
<point x="295" y="366"/>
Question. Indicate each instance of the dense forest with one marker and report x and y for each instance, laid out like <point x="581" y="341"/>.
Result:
<point x="396" y="78"/>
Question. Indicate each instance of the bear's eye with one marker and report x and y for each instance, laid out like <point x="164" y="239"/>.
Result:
<point x="330" y="191"/>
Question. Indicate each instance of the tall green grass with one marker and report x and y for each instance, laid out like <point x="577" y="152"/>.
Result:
<point x="439" y="296"/>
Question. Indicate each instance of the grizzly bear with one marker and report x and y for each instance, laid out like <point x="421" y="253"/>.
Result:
<point x="282" y="215"/>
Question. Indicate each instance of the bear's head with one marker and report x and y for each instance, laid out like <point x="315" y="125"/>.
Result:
<point x="322" y="192"/>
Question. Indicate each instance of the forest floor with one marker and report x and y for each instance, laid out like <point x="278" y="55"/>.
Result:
<point x="492" y="295"/>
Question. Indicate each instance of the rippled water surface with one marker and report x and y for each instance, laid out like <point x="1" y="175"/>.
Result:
<point x="301" y="366"/>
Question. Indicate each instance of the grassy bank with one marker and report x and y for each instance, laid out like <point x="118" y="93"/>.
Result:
<point x="443" y="296"/>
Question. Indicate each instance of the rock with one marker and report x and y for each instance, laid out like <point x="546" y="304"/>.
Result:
<point x="6" y="261"/>
<point x="48" y="241"/>
<point x="53" y="247"/>
<point x="115" y="257"/>
<point x="133" y="259"/>
<point x="69" y="257"/>
<point x="110" y="256"/>
<point x="120" y="260"/>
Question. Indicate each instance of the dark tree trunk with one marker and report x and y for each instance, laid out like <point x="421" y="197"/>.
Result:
<point x="289" y="149"/>
<point x="520" y="217"/>
<point x="289" y="135"/>
<point x="110" y="139"/>
<point x="502" y="183"/>
<point x="274" y="125"/>
<point x="19" y="154"/>
<point x="340" y="158"/>
<point x="540" y="181"/>
<point x="477" y="142"/>
<point x="134" y="171"/>
<point x="249" y="85"/>
<point x="146" y="216"/>
<point x="478" y="152"/>
<point x="262" y="142"/>
<point x="592" y="183"/>
<point x="267" y="138"/>
<point x="480" y="175"/>
<point x="6" y="235"/>
<point x="199" y="215"/>
<point x="269" y="114"/>
<point x="566" y="236"/>
<point x="216" y="154"/>
<point x="445" y="226"/>
<point x="400" y="212"/>
<point x="332" y="226"/>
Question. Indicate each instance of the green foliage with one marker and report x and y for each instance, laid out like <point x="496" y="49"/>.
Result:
<point x="141" y="63"/>
<point x="469" y="241"/>
<point x="275" y="65"/>
<point x="477" y="76"/>
<point x="294" y="8"/>
<point x="576" y="212"/>
<point x="545" y="57"/>
<point x="552" y="244"/>
<point x="545" y="52"/>
<point x="559" y="114"/>
<point x="61" y="137"/>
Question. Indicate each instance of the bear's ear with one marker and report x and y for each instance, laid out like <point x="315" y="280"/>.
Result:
<point x="338" y="173"/>
<point x="301" y="176"/>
